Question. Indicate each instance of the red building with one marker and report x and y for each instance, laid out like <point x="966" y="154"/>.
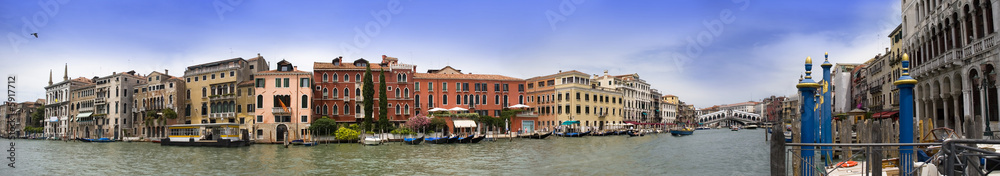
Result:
<point x="480" y="93"/>
<point x="337" y="90"/>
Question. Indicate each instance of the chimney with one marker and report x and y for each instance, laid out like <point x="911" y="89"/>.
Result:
<point x="50" y="77"/>
<point x="166" y="72"/>
<point x="66" y="73"/>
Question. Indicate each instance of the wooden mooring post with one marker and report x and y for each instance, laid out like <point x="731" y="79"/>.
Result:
<point x="777" y="152"/>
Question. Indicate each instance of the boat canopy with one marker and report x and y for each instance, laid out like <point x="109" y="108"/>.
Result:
<point x="571" y="122"/>
<point x="464" y="123"/>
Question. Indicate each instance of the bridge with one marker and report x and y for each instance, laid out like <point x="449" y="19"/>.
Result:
<point x="729" y="117"/>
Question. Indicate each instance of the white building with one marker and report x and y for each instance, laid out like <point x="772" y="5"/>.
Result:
<point x="114" y="103"/>
<point x="57" y="106"/>
<point x="636" y="92"/>
<point x="841" y="79"/>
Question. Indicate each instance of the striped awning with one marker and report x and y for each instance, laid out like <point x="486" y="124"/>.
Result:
<point x="464" y="123"/>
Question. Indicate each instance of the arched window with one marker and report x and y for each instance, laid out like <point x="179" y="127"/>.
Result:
<point x="357" y="77"/>
<point x="260" y="101"/>
<point x="347" y="109"/>
<point x="347" y="78"/>
<point x="347" y="93"/>
<point x="334" y="78"/>
<point x="406" y="92"/>
<point x="496" y="99"/>
<point x="204" y="92"/>
<point x="325" y="92"/>
<point x="406" y="109"/>
<point x="333" y="93"/>
<point x="357" y="108"/>
<point x="325" y="77"/>
<point x="334" y="109"/>
<point x="317" y="110"/>
<point x="397" y="93"/>
<point x="520" y="99"/>
<point x="357" y="92"/>
<point x="444" y="99"/>
<point x="397" y="109"/>
<point x="305" y="101"/>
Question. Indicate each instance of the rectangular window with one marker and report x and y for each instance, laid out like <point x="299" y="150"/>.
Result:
<point x="259" y="83"/>
<point x="520" y="87"/>
<point x="430" y="86"/>
<point x="304" y="82"/>
<point x="505" y="87"/>
<point x="416" y="86"/>
<point x="304" y="119"/>
<point x="496" y="87"/>
<point x="277" y="82"/>
<point x="286" y="82"/>
<point x="444" y="86"/>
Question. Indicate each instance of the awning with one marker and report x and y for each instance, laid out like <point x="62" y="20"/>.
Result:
<point x="886" y="114"/>
<point x="85" y="114"/>
<point x="53" y="119"/>
<point x="464" y="123"/>
<point x="571" y="122"/>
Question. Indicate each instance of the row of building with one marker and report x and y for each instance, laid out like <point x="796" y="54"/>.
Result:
<point x="272" y="104"/>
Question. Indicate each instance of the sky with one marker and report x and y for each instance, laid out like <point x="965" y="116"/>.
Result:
<point x="705" y="52"/>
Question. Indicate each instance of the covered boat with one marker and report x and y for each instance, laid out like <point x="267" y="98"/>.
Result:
<point x="413" y="141"/>
<point x="211" y="135"/>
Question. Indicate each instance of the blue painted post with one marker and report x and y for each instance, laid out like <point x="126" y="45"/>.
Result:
<point x="905" y="85"/>
<point x="808" y="89"/>
<point x="826" y="114"/>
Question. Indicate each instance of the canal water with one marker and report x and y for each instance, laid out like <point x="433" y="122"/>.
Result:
<point x="707" y="152"/>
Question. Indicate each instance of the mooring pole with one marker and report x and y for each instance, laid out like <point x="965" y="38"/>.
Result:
<point x="808" y="87"/>
<point x="905" y="85"/>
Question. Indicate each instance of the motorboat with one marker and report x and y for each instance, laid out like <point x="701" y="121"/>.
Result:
<point x="682" y="131"/>
<point x="751" y="127"/>
<point x="638" y="133"/>
<point x="310" y="144"/>
<point x="223" y="135"/>
<point x="372" y="140"/>
<point x="703" y="128"/>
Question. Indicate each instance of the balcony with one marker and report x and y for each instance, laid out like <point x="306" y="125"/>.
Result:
<point x="527" y="114"/>
<point x="221" y="97"/>
<point x="222" y="115"/>
<point x="100" y="101"/>
<point x="359" y="98"/>
<point x="979" y="46"/>
<point x="279" y="111"/>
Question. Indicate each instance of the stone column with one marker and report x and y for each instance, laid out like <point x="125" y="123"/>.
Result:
<point x="958" y="114"/>
<point x="945" y="101"/>
<point x="934" y="114"/>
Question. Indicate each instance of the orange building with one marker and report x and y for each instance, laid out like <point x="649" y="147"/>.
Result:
<point x="282" y="101"/>
<point x="484" y="94"/>
<point x="338" y="89"/>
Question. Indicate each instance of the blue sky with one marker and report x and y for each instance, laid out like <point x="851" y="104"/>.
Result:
<point x="758" y="52"/>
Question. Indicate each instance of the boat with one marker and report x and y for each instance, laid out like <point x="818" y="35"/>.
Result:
<point x="536" y="136"/>
<point x="102" y="140"/>
<point x="478" y="138"/>
<point x="297" y="142"/>
<point x="466" y="139"/>
<point x="310" y="144"/>
<point x="223" y="135"/>
<point x="703" y="128"/>
<point x="751" y="127"/>
<point x="436" y="140"/>
<point x="635" y="133"/>
<point x="413" y="141"/>
<point x="682" y="131"/>
<point x="372" y="140"/>
<point x="452" y="140"/>
<point x="84" y="140"/>
<point x="155" y="140"/>
<point x="734" y="128"/>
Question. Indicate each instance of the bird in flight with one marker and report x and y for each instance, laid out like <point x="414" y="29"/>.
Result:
<point x="35" y="34"/>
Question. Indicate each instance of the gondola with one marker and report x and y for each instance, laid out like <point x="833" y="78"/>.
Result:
<point x="466" y="139"/>
<point x="452" y="140"/>
<point x="478" y="138"/>
<point x="413" y="141"/>
<point x="635" y="133"/>
<point x="435" y="140"/>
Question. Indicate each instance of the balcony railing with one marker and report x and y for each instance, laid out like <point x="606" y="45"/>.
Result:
<point x="359" y="98"/>
<point x="979" y="46"/>
<point x="212" y="69"/>
<point x="100" y="101"/>
<point x="222" y="97"/>
<point x="279" y="111"/>
<point x="222" y="115"/>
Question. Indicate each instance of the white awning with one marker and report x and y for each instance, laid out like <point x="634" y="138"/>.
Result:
<point x="53" y="119"/>
<point x="85" y="114"/>
<point x="464" y="124"/>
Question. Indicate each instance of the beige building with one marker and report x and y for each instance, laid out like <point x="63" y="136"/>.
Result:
<point x="637" y="94"/>
<point x="114" y="104"/>
<point x="577" y="98"/>
<point x="162" y="93"/>
<point x="82" y="109"/>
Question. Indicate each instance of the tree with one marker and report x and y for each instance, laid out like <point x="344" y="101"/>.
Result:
<point x="347" y="134"/>
<point x="368" y="93"/>
<point x="38" y="116"/>
<point x="383" y="103"/>
<point x="438" y="124"/>
<point x="418" y="122"/>
<point x="322" y="125"/>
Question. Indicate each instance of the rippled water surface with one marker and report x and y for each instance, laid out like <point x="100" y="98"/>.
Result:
<point x="707" y="152"/>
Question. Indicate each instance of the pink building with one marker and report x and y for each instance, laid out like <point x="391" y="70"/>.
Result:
<point x="282" y="103"/>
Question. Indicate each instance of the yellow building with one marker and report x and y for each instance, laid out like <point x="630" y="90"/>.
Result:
<point x="211" y="89"/>
<point x="572" y="96"/>
<point x="81" y="109"/>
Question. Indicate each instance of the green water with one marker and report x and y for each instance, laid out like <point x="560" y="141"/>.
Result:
<point x="707" y="152"/>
